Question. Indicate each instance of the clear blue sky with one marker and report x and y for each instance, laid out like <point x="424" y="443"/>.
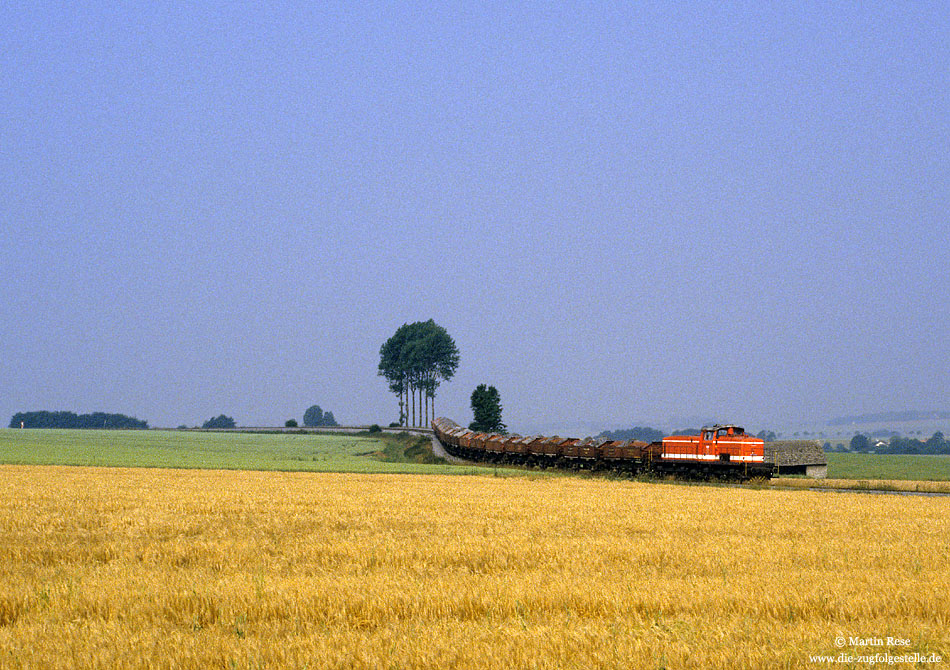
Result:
<point x="623" y="212"/>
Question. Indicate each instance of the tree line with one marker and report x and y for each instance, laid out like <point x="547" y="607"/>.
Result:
<point x="937" y="444"/>
<point x="414" y="361"/>
<point x="642" y="433"/>
<point x="314" y="416"/>
<point x="890" y="417"/>
<point x="647" y="434"/>
<point x="46" y="419"/>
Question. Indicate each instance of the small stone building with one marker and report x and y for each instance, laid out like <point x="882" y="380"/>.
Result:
<point x="798" y="457"/>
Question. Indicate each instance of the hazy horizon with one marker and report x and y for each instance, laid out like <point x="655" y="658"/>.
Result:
<point x="622" y="214"/>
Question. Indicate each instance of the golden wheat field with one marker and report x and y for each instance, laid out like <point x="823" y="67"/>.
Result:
<point x="148" y="568"/>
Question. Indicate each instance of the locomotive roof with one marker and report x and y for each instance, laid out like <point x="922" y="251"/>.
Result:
<point x="721" y="426"/>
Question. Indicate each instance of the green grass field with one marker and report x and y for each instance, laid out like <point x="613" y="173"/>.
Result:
<point x="888" y="466"/>
<point x="225" y="451"/>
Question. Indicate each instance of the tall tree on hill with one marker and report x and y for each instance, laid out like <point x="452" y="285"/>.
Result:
<point x="486" y="408"/>
<point x="392" y="366"/>
<point x="414" y="361"/>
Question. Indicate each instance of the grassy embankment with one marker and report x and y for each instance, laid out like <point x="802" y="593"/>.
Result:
<point x="139" y="568"/>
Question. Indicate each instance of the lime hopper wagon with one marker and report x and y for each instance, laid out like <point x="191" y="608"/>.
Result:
<point x="723" y="452"/>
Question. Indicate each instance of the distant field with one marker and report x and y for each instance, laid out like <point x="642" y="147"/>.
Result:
<point x="225" y="451"/>
<point x="888" y="466"/>
<point x="153" y="568"/>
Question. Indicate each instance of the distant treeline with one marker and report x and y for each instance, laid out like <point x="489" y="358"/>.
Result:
<point x="890" y="417"/>
<point x="642" y="433"/>
<point x="653" y="435"/>
<point x="44" y="419"/>
<point x="937" y="444"/>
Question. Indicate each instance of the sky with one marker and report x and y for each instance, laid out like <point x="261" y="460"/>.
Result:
<point x="623" y="213"/>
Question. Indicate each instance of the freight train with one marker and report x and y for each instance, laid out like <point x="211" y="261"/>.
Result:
<point x="719" y="452"/>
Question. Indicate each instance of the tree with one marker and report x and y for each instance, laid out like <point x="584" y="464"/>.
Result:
<point x="316" y="417"/>
<point x="936" y="444"/>
<point x="414" y="361"/>
<point x="392" y="367"/>
<point x="486" y="408"/>
<point x="860" y="442"/>
<point x="290" y="423"/>
<point x="313" y="416"/>
<point x="220" y="421"/>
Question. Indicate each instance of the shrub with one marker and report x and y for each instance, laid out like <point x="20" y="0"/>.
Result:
<point x="290" y="423"/>
<point x="375" y="428"/>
